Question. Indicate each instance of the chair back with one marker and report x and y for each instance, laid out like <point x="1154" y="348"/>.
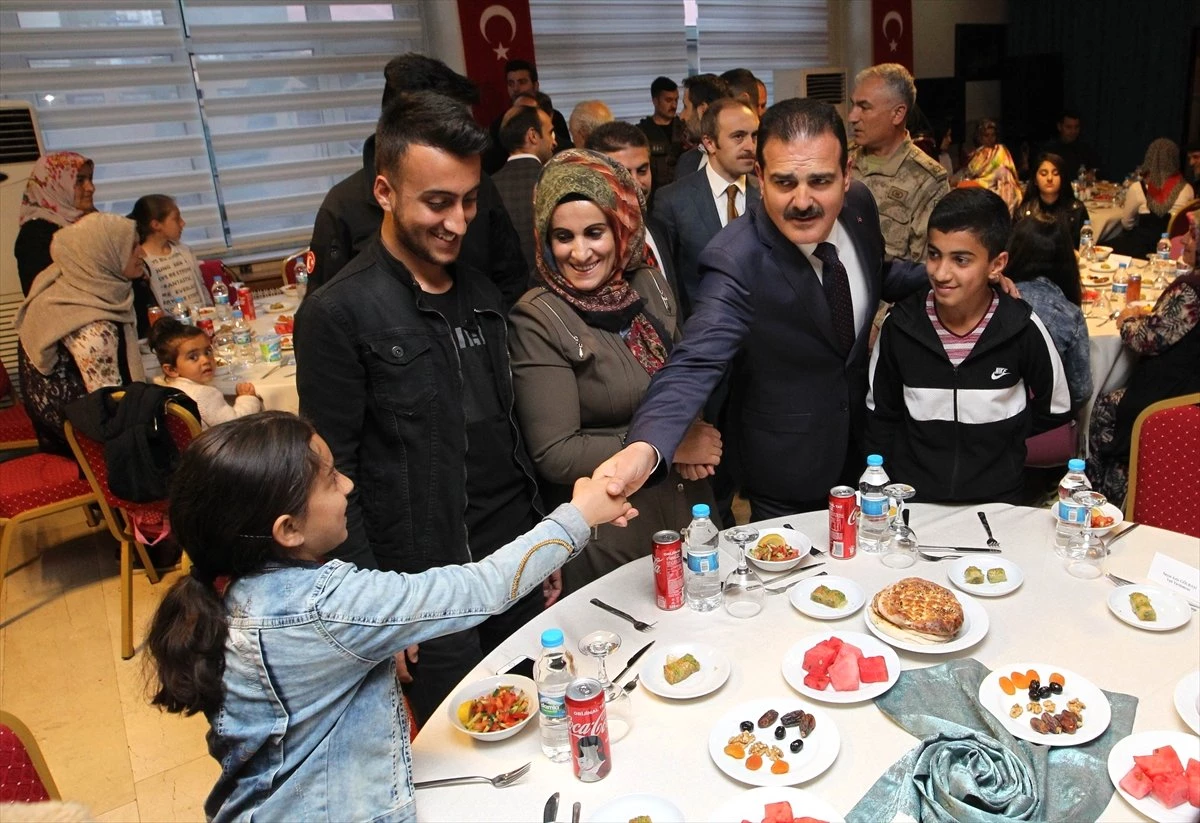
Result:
<point x="24" y="776"/>
<point x="209" y="269"/>
<point x="1165" y="452"/>
<point x="289" y="265"/>
<point x="1179" y="221"/>
<point x="1053" y="448"/>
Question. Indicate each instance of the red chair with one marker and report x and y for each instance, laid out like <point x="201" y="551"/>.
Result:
<point x="24" y="776"/>
<point x="122" y="516"/>
<point x="211" y="268"/>
<point x="289" y="265"/>
<point x="1165" y="453"/>
<point x="16" y="429"/>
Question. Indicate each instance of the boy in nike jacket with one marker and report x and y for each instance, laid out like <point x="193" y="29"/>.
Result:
<point x="962" y="373"/>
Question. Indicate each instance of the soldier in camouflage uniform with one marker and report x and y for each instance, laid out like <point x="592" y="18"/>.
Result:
<point x="906" y="182"/>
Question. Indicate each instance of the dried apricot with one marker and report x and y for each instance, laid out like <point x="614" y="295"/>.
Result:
<point x="1057" y="678"/>
<point x="780" y="767"/>
<point x="1032" y="675"/>
<point x="1020" y="681"/>
<point x="735" y="750"/>
<point x="1007" y="686"/>
<point x="754" y="762"/>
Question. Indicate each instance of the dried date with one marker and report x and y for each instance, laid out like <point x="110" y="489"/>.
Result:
<point x="807" y="723"/>
<point x="1052" y="724"/>
<point x="768" y="718"/>
<point x="792" y="718"/>
<point x="1038" y="725"/>
<point x="1069" y="721"/>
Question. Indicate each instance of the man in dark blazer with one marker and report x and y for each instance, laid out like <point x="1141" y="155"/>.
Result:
<point x="693" y="209"/>
<point x="528" y="135"/>
<point x="799" y="331"/>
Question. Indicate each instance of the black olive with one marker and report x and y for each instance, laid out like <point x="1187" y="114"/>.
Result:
<point x="796" y="746"/>
<point x="1033" y="693"/>
<point x="747" y="726"/>
<point x="1055" y="688"/>
<point x="780" y="732"/>
<point x="1044" y="692"/>
<point x="1035" y="684"/>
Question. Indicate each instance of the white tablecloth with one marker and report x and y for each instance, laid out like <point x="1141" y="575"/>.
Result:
<point x="1053" y="618"/>
<point x="1106" y="219"/>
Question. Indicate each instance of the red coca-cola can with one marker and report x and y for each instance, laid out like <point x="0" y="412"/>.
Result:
<point x="154" y="314"/>
<point x="587" y="730"/>
<point x="843" y="522"/>
<point x="206" y="324"/>
<point x="668" y="570"/>
<point x="246" y="302"/>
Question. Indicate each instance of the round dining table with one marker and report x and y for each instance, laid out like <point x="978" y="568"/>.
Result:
<point x="1052" y="617"/>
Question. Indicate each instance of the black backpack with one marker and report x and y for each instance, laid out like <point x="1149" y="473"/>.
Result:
<point x="138" y="449"/>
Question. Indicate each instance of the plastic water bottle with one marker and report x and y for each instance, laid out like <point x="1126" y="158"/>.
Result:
<point x="702" y="580"/>
<point x="220" y="296"/>
<point x="1074" y="480"/>
<point x="179" y="311"/>
<point x="301" y="279"/>
<point x="873" y="506"/>
<point x="243" y="342"/>
<point x="1163" y="249"/>
<point x="1087" y="242"/>
<point x="553" y="671"/>
<point x="1120" y="286"/>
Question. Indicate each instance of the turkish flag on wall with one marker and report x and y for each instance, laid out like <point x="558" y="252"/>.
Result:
<point x="891" y="32"/>
<point x="494" y="33"/>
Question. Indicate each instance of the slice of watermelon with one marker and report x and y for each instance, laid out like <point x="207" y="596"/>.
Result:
<point x="872" y="669"/>
<point x="1163" y="762"/>
<point x="855" y="650"/>
<point x="1193" y="778"/>
<point x="844" y="671"/>
<point x="780" y="812"/>
<point x="1170" y="789"/>
<point x="816" y="682"/>
<point x="1136" y="783"/>
<point x="820" y="657"/>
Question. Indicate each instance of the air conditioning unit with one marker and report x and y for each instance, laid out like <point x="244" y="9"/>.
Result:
<point x="20" y="147"/>
<point x="828" y="84"/>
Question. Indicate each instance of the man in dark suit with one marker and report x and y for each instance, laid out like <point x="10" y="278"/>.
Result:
<point x="790" y="291"/>
<point x="699" y="92"/>
<point x="521" y="77"/>
<point x="528" y="135"/>
<point x="694" y="208"/>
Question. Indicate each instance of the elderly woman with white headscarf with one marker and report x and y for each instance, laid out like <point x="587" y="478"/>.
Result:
<point x="77" y="328"/>
<point x="1153" y="201"/>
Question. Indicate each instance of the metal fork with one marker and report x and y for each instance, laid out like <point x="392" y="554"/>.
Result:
<point x="499" y="781"/>
<point x="1121" y="581"/>
<point x="991" y="541"/>
<point x="640" y="625"/>
<point x="934" y="558"/>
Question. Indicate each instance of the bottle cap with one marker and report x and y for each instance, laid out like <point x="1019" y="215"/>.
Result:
<point x="1087" y="222"/>
<point x="700" y="510"/>
<point x="874" y="460"/>
<point x="552" y="638"/>
<point x="1076" y="464"/>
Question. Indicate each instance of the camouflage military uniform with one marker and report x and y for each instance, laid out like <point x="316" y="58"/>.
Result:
<point x="906" y="186"/>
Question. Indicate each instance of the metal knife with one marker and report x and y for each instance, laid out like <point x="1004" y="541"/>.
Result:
<point x="636" y="656"/>
<point x="551" y="812"/>
<point x="575" y="809"/>
<point x="959" y="549"/>
<point x="783" y="577"/>
<point x="1122" y="533"/>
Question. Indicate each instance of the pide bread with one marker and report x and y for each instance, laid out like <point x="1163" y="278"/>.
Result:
<point x="917" y="610"/>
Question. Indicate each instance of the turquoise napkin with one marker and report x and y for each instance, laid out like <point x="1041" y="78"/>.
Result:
<point x="967" y="766"/>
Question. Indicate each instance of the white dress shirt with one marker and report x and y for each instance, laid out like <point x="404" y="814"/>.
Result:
<point x="719" y="184"/>
<point x="855" y="273"/>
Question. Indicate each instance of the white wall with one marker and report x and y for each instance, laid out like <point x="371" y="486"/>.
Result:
<point x="443" y="34"/>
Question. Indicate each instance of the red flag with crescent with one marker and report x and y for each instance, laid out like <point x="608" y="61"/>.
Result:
<point x="494" y="33"/>
<point x="891" y="32"/>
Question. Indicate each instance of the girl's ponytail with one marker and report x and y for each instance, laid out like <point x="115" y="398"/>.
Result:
<point x="187" y="642"/>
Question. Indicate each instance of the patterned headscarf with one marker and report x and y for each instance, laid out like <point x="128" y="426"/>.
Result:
<point x="615" y="305"/>
<point x="50" y="190"/>
<point x="1162" y="181"/>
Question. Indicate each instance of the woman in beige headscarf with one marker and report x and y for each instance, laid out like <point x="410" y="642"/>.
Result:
<point x="1152" y="201"/>
<point x="77" y="327"/>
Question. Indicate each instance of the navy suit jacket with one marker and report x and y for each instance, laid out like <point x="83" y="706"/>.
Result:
<point x="687" y="211"/>
<point x="795" y="401"/>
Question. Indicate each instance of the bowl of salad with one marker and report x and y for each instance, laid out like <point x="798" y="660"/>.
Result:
<point x="494" y="708"/>
<point x="778" y="550"/>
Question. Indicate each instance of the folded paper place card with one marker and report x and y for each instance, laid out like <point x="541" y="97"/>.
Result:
<point x="1176" y="576"/>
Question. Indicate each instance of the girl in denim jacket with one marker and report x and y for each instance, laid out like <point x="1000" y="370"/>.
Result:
<point x="290" y="656"/>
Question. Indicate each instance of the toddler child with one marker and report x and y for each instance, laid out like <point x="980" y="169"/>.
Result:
<point x="186" y="356"/>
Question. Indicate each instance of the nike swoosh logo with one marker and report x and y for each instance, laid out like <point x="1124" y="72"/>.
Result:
<point x="998" y="373"/>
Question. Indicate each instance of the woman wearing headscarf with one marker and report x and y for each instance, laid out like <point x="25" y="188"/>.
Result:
<point x="59" y="191"/>
<point x="76" y="328"/>
<point x="991" y="165"/>
<point x="584" y="346"/>
<point x="1151" y="202"/>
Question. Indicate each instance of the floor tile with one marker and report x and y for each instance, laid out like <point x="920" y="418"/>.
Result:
<point x="179" y="793"/>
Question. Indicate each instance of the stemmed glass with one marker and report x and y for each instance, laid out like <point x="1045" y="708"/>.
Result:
<point x="901" y="549"/>
<point x="1086" y="550"/>
<point x="744" y="593"/>
<point x="600" y="644"/>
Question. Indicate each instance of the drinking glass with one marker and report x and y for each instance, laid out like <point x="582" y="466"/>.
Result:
<point x="1086" y="551"/>
<point x="617" y="705"/>
<point x="1086" y="300"/>
<point x="744" y="593"/>
<point x="901" y="549"/>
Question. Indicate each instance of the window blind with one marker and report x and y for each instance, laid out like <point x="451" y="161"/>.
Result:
<point x="609" y="51"/>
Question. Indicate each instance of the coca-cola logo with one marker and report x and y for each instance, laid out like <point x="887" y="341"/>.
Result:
<point x="853" y="518"/>
<point x="595" y="726"/>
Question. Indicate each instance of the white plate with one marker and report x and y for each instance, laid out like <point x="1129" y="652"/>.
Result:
<point x="1187" y="700"/>
<point x="1093" y="279"/>
<point x="751" y="805"/>
<point x="1171" y="610"/>
<point x="481" y="687"/>
<point x="714" y="670"/>
<point x="800" y="596"/>
<point x="820" y="748"/>
<point x="1120" y="761"/>
<point x="797" y="540"/>
<point x="1103" y="252"/>
<point x="1103" y="268"/>
<point x="629" y="806"/>
<point x="974" y="628"/>
<point x="958" y="570"/>
<point x="1109" y="509"/>
<point x="1096" y="716"/>
<point x="793" y="668"/>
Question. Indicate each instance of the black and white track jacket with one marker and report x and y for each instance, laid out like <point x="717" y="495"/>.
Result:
<point x="958" y="433"/>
